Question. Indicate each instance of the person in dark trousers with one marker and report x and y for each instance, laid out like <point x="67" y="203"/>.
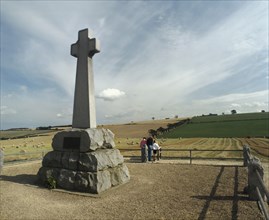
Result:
<point x="143" y="146"/>
<point x="149" y="144"/>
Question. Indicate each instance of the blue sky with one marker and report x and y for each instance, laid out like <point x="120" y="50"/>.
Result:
<point x="158" y="59"/>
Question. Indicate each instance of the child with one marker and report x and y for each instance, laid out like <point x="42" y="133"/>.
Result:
<point x="155" y="148"/>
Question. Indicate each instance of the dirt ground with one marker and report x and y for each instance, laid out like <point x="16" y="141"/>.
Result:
<point x="155" y="191"/>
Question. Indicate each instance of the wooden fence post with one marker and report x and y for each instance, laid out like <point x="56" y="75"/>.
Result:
<point x="246" y="154"/>
<point x="190" y="157"/>
<point x="253" y="180"/>
<point x="1" y="159"/>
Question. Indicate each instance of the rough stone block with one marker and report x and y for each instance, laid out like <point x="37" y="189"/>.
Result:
<point x="81" y="182"/>
<point x="108" y="138"/>
<point x="65" y="160"/>
<point x="66" y="179"/>
<point x="100" y="181"/>
<point x="45" y="173"/>
<point x="73" y="160"/>
<point x="83" y="140"/>
<point x="119" y="175"/>
<point x="53" y="159"/>
<point x="90" y="182"/>
<point x="99" y="160"/>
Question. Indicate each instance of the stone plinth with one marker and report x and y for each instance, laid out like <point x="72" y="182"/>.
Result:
<point x="83" y="140"/>
<point x="85" y="161"/>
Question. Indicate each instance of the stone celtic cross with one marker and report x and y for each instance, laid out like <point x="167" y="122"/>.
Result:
<point x="84" y="115"/>
<point x="84" y="159"/>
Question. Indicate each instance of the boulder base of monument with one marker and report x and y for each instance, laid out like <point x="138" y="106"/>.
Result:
<point x="85" y="161"/>
<point x="88" y="162"/>
<point x="90" y="182"/>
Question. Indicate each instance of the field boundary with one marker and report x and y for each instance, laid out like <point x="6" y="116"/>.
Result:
<point x="191" y="157"/>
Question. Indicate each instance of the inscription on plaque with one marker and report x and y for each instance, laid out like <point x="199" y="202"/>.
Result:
<point x="71" y="143"/>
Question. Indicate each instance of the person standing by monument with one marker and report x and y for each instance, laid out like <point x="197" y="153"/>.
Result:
<point x="149" y="144"/>
<point x="143" y="146"/>
<point x="155" y="148"/>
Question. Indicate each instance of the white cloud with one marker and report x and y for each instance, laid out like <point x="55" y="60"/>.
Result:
<point x="235" y="105"/>
<point x="5" y="110"/>
<point x="242" y="102"/>
<point x="110" y="94"/>
<point x="256" y="104"/>
<point x="262" y="95"/>
<point x="23" y="88"/>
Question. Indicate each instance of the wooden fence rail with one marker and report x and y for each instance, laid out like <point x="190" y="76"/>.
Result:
<point x="190" y="157"/>
<point x="256" y="188"/>
<point x="190" y="153"/>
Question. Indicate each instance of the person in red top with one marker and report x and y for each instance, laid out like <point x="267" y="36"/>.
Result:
<point x="143" y="146"/>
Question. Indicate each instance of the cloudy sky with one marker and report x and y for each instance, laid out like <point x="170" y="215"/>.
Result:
<point x="158" y="59"/>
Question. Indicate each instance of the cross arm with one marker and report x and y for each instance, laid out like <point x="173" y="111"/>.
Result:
<point x="94" y="47"/>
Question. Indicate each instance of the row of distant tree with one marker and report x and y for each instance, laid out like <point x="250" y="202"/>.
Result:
<point x="234" y="111"/>
<point x="169" y="127"/>
<point x="210" y="114"/>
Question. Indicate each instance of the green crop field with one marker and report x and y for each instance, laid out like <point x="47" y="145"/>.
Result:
<point x="237" y="125"/>
<point x="234" y="117"/>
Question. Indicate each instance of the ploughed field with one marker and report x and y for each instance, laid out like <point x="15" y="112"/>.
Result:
<point x="155" y="191"/>
<point x="35" y="147"/>
<point x="259" y="147"/>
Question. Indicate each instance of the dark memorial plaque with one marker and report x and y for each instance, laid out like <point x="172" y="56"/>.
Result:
<point x="71" y="143"/>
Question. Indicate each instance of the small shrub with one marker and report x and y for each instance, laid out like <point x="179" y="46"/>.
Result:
<point x="51" y="183"/>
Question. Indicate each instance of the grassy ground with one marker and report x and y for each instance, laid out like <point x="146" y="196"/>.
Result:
<point x="23" y="133"/>
<point x="27" y="148"/>
<point x="233" y="117"/>
<point x="237" y="125"/>
<point x="251" y="128"/>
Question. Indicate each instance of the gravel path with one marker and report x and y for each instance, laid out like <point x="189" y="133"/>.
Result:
<point x="156" y="191"/>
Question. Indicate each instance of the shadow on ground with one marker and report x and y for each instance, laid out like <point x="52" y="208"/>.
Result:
<point x="21" y="179"/>
<point x="212" y="197"/>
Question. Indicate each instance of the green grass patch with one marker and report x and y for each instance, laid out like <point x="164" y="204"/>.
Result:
<point x="234" y="117"/>
<point x="238" y="125"/>
<point x="9" y="134"/>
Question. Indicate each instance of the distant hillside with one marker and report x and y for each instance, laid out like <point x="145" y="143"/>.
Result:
<point x="236" y="125"/>
<point x="138" y="129"/>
